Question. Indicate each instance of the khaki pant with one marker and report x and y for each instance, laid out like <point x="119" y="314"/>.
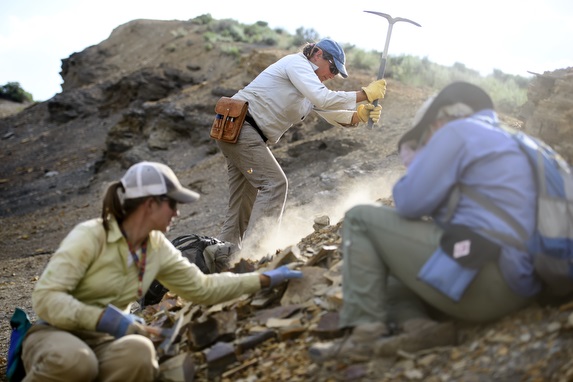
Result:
<point x="51" y="354"/>
<point x="257" y="189"/>
<point x="383" y="254"/>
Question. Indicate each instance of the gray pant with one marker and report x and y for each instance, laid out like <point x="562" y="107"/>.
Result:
<point x="383" y="254"/>
<point x="257" y="187"/>
<point x="51" y="355"/>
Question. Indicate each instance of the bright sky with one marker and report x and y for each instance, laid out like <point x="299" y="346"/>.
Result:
<point x="514" y="36"/>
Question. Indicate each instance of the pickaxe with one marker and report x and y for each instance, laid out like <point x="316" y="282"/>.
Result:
<point x="391" y="21"/>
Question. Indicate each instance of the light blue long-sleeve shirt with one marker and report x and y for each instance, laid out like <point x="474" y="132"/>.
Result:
<point x="474" y="153"/>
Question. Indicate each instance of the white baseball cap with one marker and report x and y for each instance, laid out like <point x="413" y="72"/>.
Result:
<point x="154" y="179"/>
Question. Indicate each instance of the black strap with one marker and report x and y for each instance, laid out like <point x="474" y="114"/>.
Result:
<point x="252" y="122"/>
<point x="493" y="208"/>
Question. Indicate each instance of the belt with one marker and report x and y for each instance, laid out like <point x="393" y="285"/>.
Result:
<point x="252" y="122"/>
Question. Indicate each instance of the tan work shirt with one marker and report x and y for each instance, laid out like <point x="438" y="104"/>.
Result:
<point x="90" y="271"/>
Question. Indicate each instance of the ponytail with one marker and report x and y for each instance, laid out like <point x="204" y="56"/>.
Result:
<point x="112" y="205"/>
<point x="309" y="49"/>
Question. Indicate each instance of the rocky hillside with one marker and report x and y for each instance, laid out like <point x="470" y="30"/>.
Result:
<point x="548" y="113"/>
<point x="148" y="92"/>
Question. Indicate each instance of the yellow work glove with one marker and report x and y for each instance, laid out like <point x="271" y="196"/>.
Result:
<point x="375" y="90"/>
<point x="368" y="110"/>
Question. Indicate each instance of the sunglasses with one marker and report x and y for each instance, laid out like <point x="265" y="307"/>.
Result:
<point x="172" y="202"/>
<point x="333" y="69"/>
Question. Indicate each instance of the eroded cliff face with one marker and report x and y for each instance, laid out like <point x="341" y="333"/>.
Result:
<point x="151" y="86"/>
<point x="548" y="113"/>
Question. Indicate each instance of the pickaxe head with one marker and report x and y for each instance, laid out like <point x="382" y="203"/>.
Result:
<point x="393" y="20"/>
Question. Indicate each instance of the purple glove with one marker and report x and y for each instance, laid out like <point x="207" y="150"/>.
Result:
<point x="282" y="274"/>
<point x="118" y="323"/>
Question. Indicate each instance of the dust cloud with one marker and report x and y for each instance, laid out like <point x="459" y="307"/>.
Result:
<point x="297" y="221"/>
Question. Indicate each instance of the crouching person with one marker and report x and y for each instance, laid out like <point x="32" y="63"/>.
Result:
<point x="402" y="274"/>
<point x="83" y="298"/>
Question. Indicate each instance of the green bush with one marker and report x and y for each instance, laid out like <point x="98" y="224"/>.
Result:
<point x="203" y="19"/>
<point x="260" y="33"/>
<point x="210" y="37"/>
<point x="302" y="36"/>
<point x="232" y="51"/>
<point x="359" y="59"/>
<point x="13" y="92"/>
<point x="509" y="92"/>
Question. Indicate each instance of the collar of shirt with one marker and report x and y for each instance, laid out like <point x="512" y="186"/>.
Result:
<point x="114" y="234"/>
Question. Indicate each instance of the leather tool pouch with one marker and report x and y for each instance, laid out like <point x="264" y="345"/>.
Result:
<point x="229" y="120"/>
<point x="467" y="247"/>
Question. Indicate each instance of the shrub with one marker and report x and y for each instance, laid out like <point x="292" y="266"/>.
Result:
<point x="509" y="92"/>
<point x="359" y="59"/>
<point x="13" y="92"/>
<point x="203" y="19"/>
<point x="303" y="36"/>
<point x="232" y="51"/>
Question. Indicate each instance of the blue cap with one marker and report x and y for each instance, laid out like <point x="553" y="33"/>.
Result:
<point x="335" y="50"/>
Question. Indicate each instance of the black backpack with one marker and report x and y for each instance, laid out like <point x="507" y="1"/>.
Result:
<point x="211" y="255"/>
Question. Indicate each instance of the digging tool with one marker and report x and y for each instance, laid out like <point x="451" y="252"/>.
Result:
<point x="169" y="335"/>
<point x="391" y="21"/>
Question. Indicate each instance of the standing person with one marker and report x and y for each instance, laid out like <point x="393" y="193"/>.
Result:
<point x="282" y="95"/>
<point x="83" y="297"/>
<point x="399" y="268"/>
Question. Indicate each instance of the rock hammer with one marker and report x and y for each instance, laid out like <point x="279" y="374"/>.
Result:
<point x="169" y="335"/>
<point x="391" y="22"/>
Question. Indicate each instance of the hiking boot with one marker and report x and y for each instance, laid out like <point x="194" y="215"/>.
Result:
<point x="357" y="346"/>
<point x="418" y="334"/>
<point x="368" y="341"/>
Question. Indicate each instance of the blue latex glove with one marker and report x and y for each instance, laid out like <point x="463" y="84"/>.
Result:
<point x="282" y="274"/>
<point x="119" y="324"/>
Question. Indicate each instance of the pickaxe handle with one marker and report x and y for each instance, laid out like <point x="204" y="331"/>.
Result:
<point x="382" y="68"/>
<point x="384" y="58"/>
